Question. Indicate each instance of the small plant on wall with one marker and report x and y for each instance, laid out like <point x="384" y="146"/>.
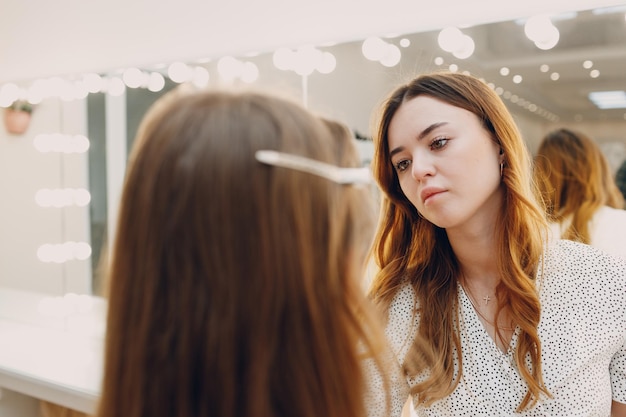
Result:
<point x="17" y="117"/>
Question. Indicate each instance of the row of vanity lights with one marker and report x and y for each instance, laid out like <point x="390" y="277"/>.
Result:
<point x="62" y="197"/>
<point x="73" y="307"/>
<point x="229" y="68"/>
<point x="303" y="61"/>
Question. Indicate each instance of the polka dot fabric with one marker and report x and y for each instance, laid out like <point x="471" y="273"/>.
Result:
<point x="582" y="331"/>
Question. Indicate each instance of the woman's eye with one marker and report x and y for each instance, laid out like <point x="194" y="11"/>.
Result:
<point x="438" y="143"/>
<point x="402" y="165"/>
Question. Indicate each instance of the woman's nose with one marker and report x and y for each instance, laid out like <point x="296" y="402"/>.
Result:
<point x="422" y="166"/>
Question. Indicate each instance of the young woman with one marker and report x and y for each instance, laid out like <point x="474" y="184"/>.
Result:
<point x="582" y="199"/>
<point x="235" y="279"/>
<point x="516" y="324"/>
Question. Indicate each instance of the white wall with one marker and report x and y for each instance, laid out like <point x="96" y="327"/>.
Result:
<point x="62" y="37"/>
<point x="24" y="226"/>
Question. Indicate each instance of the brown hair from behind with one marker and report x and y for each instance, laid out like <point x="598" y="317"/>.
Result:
<point x="234" y="287"/>
<point x="575" y="180"/>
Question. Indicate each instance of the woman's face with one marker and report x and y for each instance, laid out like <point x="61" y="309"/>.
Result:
<point x="447" y="163"/>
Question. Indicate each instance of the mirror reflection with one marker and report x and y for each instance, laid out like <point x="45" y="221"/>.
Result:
<point x="43" y="244"/>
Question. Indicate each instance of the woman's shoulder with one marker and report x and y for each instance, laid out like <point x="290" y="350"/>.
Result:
<point x="581" y="264"/>
<point x="567" y="253"/>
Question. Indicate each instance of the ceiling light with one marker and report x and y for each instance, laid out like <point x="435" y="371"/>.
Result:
<point x="535" y="28"/>
<point x="283" y="58"/>
<point x="542" y="32"/>
<point x="465" y="49"/>
<point x="587" y="64"/>
<point x="133" y="77"/>
<point x="327" y="63"/>
<point x="116" y="87"/>
<point x="450" y="38"/>
<point x="179" y="72"/>
<point x="156" y="82"/>
<point x="200" y="77"/>
<point x="373" y="48"/>
<point x="552" y="36"/>
<point x="392" y="56"/>
<point x="608" y="99"/>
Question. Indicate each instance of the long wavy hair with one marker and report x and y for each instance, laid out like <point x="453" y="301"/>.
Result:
<point x="575" y="180"/>
<point x="234" y="286"/>
<point x="409" y="248"/>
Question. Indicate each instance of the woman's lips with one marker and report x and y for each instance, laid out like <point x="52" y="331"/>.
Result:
<point x="427" y="193"/>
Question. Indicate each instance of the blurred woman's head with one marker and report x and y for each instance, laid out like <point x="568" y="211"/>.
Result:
<point x="575" y="180"/>
<point x="234" y="285"/>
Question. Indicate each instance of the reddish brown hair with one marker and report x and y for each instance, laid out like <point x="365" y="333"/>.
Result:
<point x="575" y="180"/>
<point x="409" y="247"/>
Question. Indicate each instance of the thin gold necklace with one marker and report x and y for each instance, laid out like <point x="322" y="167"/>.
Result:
<point x="487" y="299"/>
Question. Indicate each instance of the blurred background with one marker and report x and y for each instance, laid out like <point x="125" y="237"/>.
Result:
<point x="85" y="73"/>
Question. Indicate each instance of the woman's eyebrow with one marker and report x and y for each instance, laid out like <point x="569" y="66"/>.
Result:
<point x="430" y="129"/>
<point x="421" y="136"/>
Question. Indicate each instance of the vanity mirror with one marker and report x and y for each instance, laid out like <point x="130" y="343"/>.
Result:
<point x="543" y="88"/>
